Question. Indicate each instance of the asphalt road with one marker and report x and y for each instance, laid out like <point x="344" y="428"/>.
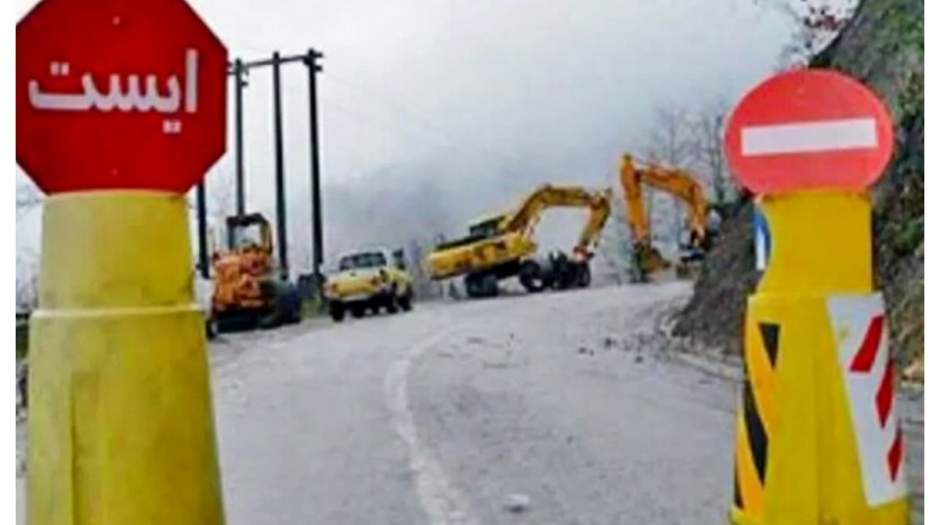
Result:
<point x="551" y="408"/>
<point x="532" y="409"/>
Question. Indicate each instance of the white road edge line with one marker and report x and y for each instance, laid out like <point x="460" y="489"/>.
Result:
<point x="807" y="137"/>
<point x="443" y="504"/>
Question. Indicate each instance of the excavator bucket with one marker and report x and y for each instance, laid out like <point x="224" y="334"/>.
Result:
<point x="648" y="260"/>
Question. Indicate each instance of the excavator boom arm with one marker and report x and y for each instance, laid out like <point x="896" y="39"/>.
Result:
<point x="674" y="181"/>
<point x="530" y="210"/>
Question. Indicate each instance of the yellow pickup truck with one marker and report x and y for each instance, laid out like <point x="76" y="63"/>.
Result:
<point x="369" y="280"/>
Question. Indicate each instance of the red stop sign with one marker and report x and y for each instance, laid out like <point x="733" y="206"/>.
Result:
<point x="118" y="94"/>
<point x="808" y="129"/>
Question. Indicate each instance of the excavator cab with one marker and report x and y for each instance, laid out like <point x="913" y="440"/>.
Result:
<point x="698" y="243"/>
<point x="486" y="227"/>
<point x="249" y="232"/>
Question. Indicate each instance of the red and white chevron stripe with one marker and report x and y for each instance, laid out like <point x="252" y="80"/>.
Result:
<point x="858" y="323"/>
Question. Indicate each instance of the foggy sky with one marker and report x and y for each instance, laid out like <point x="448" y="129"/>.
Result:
<point x="435" y="112"/>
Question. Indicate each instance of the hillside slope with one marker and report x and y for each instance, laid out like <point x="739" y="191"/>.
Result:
<point x="882" y="46"/>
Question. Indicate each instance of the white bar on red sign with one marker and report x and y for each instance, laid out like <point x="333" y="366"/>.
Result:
<point x="807" y="137"/>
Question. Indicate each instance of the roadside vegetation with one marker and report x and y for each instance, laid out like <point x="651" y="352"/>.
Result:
<point x="881" y="44"/>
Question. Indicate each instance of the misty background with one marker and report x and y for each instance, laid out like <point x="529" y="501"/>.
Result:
<point x="433" y="113"/>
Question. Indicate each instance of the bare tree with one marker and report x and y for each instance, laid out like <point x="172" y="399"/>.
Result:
<point x="709" y="152"/>
<point x="815" y="24"/>
<point x="671" y="139"/>
<point x="671" y="143"/>
<point x="615" y="247"/>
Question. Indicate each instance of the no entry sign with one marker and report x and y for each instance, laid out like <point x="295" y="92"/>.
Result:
<point x="118" y="94"/>
<point x="808" y="129"/>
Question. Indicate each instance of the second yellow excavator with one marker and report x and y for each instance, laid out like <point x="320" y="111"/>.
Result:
<point x="501" y="246"/>
<point x="683" y="186"/>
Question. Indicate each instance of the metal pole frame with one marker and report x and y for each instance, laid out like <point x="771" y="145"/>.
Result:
<point x="240" y="84"/>
<point x="201" y="228"/>
<point x="279" y="169"/>
<point x="239" y="69"/>
<point x="316" y="205"/>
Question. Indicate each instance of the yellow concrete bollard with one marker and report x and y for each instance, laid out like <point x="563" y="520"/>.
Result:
<point x="120" y="423"/>
<point x="818" y="441"/>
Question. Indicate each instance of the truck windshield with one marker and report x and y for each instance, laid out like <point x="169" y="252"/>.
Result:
<point x="362" y="260"/>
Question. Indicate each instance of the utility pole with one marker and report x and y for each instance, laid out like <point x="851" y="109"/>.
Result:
<point x="279" y="168"/>
<point x="240" y="71"/>
<point x="201" y="227"/>
<point x="316" y="206"/>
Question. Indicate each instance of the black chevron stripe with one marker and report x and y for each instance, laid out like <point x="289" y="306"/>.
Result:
<point x="756" y="433"/>
<point x="770" y="334"/>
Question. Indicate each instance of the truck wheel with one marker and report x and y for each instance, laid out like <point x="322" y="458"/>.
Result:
<point x="482" y="285"/>
<point x="391" y="304"/>
<point x="238" y="320"/>
<point x="295" y="310"/>
<point x="490" y="285"/>
<point x="473" y="285"/>
<point x="212" y="327"/>
<point x="296" y="315"/>
<point x="285" y="303"/>
<point x="583" y="279"/>
<point x="405" y="301"/>
<point x="530" y="276"/>
<point x="357" y="311"/>
<point x="270" y="321"/>
<point x="337" y="312"/>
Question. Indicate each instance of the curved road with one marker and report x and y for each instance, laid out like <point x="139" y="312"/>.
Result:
<point x="558" y="402"/>
<point x="550" y="408"/>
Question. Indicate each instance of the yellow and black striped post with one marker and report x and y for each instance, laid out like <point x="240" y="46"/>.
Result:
<point x="818" y="442"/>
<point x="756" y="408"/>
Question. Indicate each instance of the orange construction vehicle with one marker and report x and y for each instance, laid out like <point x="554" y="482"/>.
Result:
<point x="246" y="292"/>
<point x="684" y="187"/>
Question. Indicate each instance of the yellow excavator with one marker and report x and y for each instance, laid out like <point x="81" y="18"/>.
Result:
<point x="501" y="246"/>
<point x="679" y="183"/>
